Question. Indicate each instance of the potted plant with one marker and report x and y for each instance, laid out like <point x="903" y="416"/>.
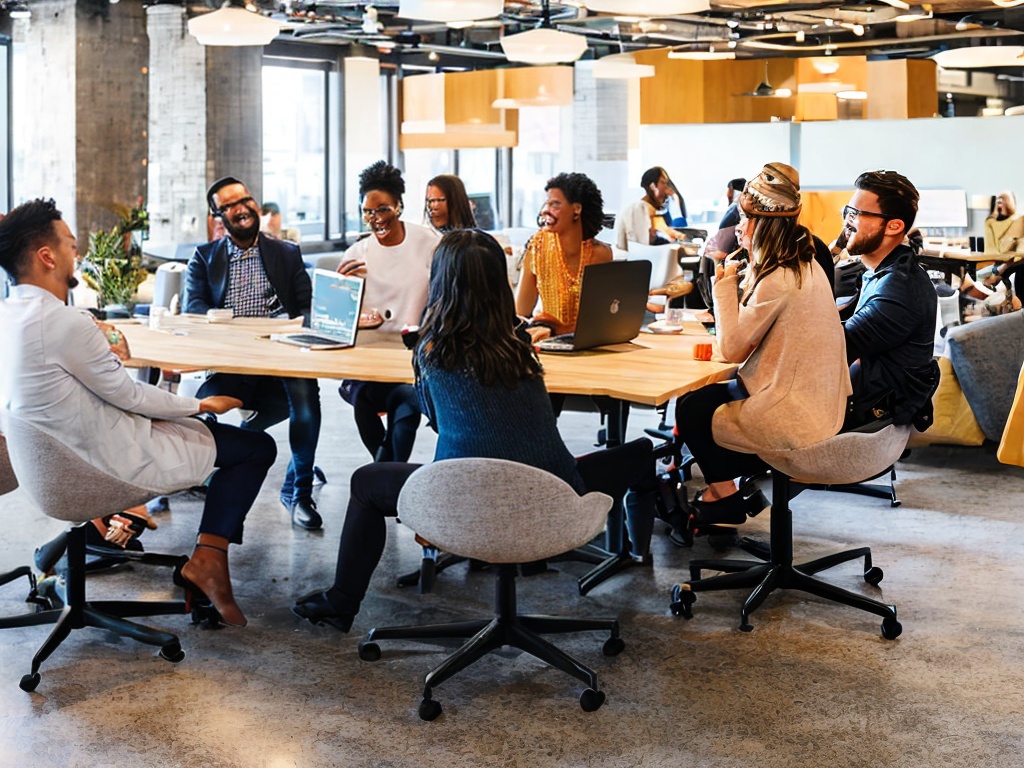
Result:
<point x="113" y="265"/>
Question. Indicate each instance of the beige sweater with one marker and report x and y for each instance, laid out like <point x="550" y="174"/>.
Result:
<point x="790" y="342"/>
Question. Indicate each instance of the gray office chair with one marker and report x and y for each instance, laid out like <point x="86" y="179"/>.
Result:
<point x="845" y="458"/>
<point x="8" y="483"/>
<point x="503" y="513"/>
<point x="65" y="487"/>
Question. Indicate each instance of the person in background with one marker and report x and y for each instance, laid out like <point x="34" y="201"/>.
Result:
<point x="556" y="255"/>
<point x="641" y="222"/>
<point x="447" y="205"/>
<point x="482" y="387"/>
<point x="395" y="261"/>
<point x="62" y="373"/>
<point x="891" y="335"/>
<point x="257" y="276"/>
<point x="999" y="221"/>
<point x="780" y="323"/>
<point x="270" y="224"/>
<point x="724" y="241"/>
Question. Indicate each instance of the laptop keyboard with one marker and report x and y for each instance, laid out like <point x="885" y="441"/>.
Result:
<point x="311" y="338"/>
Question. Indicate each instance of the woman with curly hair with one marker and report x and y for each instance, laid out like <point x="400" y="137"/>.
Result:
<point x="482" y="387"/>
<point x="556" y="255"/>
<point x="395" y="260"/>
<point x="781" y="324"/>
<point x="447" y="205"/>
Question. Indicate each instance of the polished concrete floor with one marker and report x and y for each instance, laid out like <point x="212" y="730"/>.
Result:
<point x="812" y="685"/>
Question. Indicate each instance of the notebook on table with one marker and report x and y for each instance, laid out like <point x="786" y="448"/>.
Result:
<point x="613" y="299"/>
<point x="334" y="313"/>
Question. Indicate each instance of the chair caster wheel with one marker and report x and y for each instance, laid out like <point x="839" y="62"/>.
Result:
<point x="429" y="710"/>
<point x="29" y="682"/>
<point x="613" y="646"/>
<point x="891" y="629"/>
<point x="873" y="576"/>
<point x="371" y="652"/>
<point x="682" y="602"/>
<point x="172" y="652"/>
<point x="591" y="700"/>
<point x="746" y="626"/>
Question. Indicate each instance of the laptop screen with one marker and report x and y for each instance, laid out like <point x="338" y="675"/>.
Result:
<point x="335" y="307"/>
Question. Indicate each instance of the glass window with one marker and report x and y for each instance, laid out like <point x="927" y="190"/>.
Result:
<point x="538" y="157"/>
<point x="294" y="146"/>
<point x="421" y="165"/>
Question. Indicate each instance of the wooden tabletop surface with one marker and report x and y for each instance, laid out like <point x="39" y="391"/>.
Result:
<point x="652" y="369"/>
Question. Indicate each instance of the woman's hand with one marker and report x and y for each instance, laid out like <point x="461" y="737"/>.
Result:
<point x="118" y="343"/>
<point x="726" y="269"/>
<point x="538" y="332"/>
<point x="219" y="404"/>
<point x="352" y="268"/>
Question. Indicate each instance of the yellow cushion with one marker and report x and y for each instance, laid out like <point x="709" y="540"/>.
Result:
<point x="954" y="421"/>
<point x="1011" y="447"/>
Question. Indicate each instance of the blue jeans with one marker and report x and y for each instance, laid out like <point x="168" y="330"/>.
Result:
<point x="274" y="400"/>
<point x="243" y="460"/>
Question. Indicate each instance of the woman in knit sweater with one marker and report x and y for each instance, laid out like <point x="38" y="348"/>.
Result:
<point x="482" y="388"/>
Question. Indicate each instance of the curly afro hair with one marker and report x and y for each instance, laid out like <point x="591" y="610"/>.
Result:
<point x="578" y="188"/>
<point x="384" y="178"/>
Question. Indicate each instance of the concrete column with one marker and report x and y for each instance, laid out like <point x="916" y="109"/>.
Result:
<point x="234" y="115"/>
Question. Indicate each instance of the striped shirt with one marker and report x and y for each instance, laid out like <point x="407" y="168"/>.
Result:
<point x="249" y="293"/>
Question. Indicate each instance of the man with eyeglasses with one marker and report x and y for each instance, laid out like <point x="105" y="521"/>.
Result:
<point x="890" y="337"/>
<point x="259" y="276"/>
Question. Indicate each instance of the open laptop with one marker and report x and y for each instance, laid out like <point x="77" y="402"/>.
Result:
<point x="334" y="313"/>
<point x="613" y="298"/>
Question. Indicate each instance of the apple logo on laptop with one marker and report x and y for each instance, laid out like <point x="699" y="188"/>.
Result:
<point x="614" y="308"/>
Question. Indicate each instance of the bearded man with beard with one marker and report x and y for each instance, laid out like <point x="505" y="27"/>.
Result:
<point x="258" y="276"/>
<point x="890" y="337"/>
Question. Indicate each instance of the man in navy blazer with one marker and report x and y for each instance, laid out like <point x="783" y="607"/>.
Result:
<point x="258" y="276"/>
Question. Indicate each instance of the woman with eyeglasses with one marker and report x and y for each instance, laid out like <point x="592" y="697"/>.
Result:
<point x="447" y="206"/>
<point x="780" y="323"/>
<point x="395" y="262"/>
<point x="557" y="254"/>
<point x="482" y="386"/>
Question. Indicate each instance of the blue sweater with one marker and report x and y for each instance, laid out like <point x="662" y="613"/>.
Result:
<point x="494" y="422"/>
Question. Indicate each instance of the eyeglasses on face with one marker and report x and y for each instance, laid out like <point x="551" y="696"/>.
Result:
<point x="226" y="207"/>
<point x="849" y="212"/>
<point x="377" y="213"/>
<point x="436" y="200"/>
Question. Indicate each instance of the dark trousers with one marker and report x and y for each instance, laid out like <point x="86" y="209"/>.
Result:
<point x="401" y="408"/>
<point x="275" y="399"/>
<point x="243" y="459"/>
<point x="374" y="498"/>
<point x="693" y="423"/>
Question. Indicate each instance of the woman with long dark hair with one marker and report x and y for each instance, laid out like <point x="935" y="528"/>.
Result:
<point x="482" y="388"/>
<point x="781" y="324"/>
<point x="447" y="205"/>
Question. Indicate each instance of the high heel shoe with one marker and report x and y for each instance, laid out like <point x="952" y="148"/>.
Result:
<point x="215" y="586"/>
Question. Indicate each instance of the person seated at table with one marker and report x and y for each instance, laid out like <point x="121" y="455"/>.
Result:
<point x="447" y="206"/>
<point x="62" y="373"/>
<point x="259" y="276"/>
<point x="557" y="254"/>
<point x="270" y="224"/>
<point x="395" y="261"/>
<point x="779" y="321"/>
<point x="1004" y="234"/>
<point x="482" y="388"/>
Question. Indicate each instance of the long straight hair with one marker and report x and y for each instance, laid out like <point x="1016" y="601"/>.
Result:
<point x="470" y="321"/>
<point x="778" y="243"/>
<point x="460" y="212"/>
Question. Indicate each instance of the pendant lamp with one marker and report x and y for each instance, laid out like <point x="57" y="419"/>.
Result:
<point x="543" y="46"/>
<point x="450" y="10"/>
<point x="232" y="26"/>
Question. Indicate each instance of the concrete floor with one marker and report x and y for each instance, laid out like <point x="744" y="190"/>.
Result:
<point x="812" y="685"/>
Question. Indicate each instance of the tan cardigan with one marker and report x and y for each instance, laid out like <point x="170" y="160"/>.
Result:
<point x="790" y="341"/>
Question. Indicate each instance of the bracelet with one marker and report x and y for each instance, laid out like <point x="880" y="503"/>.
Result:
<point x="114" y="337"/>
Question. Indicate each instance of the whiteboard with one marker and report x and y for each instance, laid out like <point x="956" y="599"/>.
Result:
<point x="942" y="208"/>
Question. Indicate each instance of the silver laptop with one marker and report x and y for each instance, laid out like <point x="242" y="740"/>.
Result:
<point x="334" y="314"/>
<point x="613" y="298"/>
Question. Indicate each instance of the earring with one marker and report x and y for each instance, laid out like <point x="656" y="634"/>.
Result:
<point x="575" y="217"/>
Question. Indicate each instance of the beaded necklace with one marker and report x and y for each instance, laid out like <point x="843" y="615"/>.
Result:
<point x="558" y="287"/>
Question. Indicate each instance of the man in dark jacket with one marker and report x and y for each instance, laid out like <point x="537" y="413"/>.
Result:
<point x="259" y="276"/>
<point x="890" y="337"/>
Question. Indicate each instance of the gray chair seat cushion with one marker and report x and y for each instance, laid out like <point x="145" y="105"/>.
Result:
<point x="849" y="457"/>
<point x="499" y="511"/>
<point x="987" y="356"/>
<point x="8" y="482"/>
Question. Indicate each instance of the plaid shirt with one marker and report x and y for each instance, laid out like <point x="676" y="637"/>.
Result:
<point x="249" y="293"/>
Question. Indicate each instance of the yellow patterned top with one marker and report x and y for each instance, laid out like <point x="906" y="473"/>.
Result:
<point x="558" y="288"/>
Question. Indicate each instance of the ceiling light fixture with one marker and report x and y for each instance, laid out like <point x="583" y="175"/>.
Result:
<point x="913" y="13"/>
<point x="232" y="26"/>
<point x="621" y="66"/>
<point x="543" y="46"/>
<point x="450" y="10"/>
<point x="648" y="7"/>
<point x="981" y="56"/>
<point x="19" y="11"/>
<point x="702" y="54"/>
<point x="764" y="88"/>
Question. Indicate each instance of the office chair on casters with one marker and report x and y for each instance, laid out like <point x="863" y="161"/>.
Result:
<point x="65" y="487"/>
<point x="840" y="459"/>
<point x="447" y="503"/>
<point x="8" y="483"/>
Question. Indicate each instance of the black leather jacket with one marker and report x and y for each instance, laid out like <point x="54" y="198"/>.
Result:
<point x="890" y="340"/>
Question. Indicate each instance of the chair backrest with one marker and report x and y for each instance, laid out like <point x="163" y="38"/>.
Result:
<point x="849" y="457"/>
<point x="664" y="265"/>
<point x="60" y="483"/>
<point x="8" y="482"/>
<point x="499" y="511"/>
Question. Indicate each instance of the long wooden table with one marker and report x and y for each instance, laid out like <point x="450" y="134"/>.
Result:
<point x="650" y="370"/>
